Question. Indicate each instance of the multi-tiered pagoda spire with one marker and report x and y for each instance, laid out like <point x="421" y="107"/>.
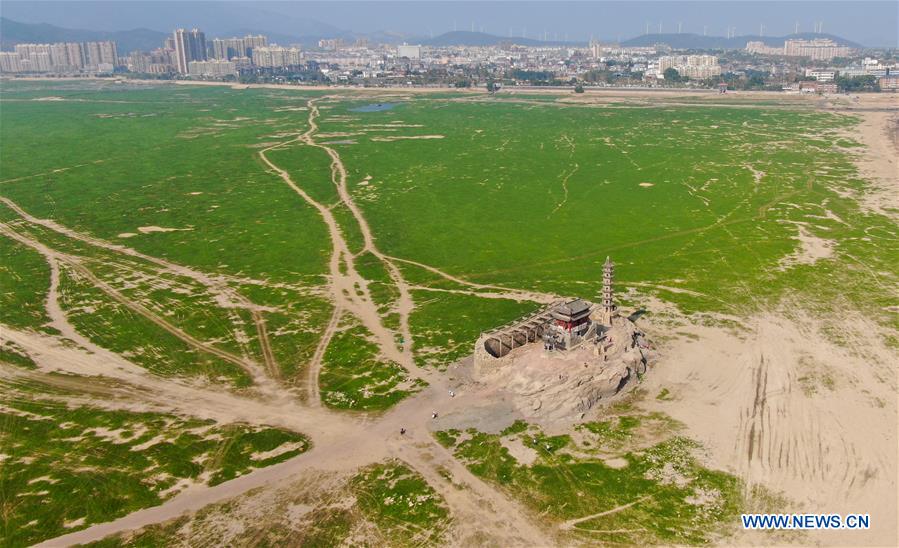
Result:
<point x="608" y="302"/>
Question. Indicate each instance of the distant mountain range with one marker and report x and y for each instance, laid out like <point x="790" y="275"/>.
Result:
<point x="676" y="41"/>
<point x="467" y="38"/>
<point x="13" y="32"/>
<point x="698" y="41"/>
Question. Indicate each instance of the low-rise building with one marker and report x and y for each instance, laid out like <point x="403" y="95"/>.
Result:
<point x="821" y="75"/>
<point x="889" y="83"/>
<point x="817" y="87"/>
<point x="212" y="68"/>
<point x="692" y="66"/>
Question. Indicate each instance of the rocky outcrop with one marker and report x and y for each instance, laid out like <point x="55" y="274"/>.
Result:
<point x="555" y="385"/>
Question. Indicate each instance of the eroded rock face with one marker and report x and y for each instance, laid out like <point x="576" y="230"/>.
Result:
<point x="555" y="385"/>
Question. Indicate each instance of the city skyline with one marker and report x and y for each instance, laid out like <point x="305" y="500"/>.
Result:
<point x="869" y="23"/>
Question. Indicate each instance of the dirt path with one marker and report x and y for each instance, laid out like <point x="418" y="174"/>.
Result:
<point x="54" y="257"/>
<point x="218" y="287"/>
<point x="566" y="175"/>
<point x="51" y="172"/>
<point x="349" y="290"/>
<point x="513" y="294"/>
<point x="404" y="305"/>
<point x="483" y="508"/>
<point x="340" y="442"/>
<point x="268" y="357"/>
<point x="570" y="524"/>
<point x="315" y="364"/>
<point x="482" y="294"/>
<point x="138" y="387"/>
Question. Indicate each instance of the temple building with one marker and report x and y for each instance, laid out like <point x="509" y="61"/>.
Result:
<point x="570" y="325"/>
<point x="562" y="326"/>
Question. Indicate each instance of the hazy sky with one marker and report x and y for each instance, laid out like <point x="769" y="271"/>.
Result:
<point x="872" y="23"/>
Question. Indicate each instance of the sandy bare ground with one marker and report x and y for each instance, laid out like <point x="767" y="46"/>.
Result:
<point x="879" y="162"/>
<point x="340" y="442"/>
<point x="782" y="406"/>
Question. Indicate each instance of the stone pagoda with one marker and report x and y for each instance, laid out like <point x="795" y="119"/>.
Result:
<point x="608" y="310"/>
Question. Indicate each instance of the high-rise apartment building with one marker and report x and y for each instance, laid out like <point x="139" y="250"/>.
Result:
<point x="59" y="56"/>
<point x="330" y="44"/>
<point x="10" y="62"/>
<point x="39" y="61"/>
<point x="229" y="48"/>
<point x="762" y="48"/>
<point x="818" y="49"/>
<point x="158" y="61"/>
<point x="189" y="46"/>
<point x="250" y="42"/>
<point x="277" y="56"/>
<point x="101" y="54"/>
<point x="75" y="54"/>
<point x="26" y="50"/>
<point x="63" y="57"/>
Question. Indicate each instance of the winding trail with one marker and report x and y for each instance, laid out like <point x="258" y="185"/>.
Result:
<point x="405" y="304"/>
<point x="564" y="189"/>
<point x="514" y="294"/>
<point x="314" y="398"/>
<point x="340" y="442"/>
<point x="348" y="288"/>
